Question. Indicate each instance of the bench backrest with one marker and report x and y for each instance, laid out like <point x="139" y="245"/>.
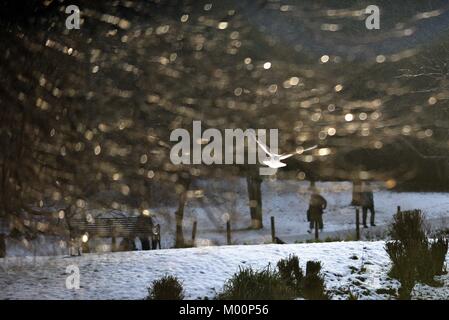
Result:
<point x="113" y="227"/>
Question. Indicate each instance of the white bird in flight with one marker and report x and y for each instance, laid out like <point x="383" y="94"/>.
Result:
<point x="274" y="160"/>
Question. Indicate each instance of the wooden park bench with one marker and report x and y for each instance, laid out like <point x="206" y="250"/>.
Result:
<point x="116" y="227"/>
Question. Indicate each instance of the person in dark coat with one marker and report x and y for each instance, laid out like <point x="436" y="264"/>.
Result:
<point x="367" y="202"/>
<point x="317" y="205"/>
<point x="156" y="237"/>
<point x="146" y="221"/>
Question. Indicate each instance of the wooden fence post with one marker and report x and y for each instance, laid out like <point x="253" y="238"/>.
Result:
<point x="273" y="230"/>
<point x="317" y="235"/>
<point x="357" y="224"/>
<point x="194" y="232"/>
<point x="228" y="232"/>
<point x="2" y="246"/>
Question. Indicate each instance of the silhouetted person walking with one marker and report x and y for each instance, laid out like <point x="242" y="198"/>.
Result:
<point x="317" y="205"/>
<point x="367" y="203"/>
<point x="156" y="237"/>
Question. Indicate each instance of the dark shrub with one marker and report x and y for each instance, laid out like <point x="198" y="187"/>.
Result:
<point x="438" y="251"/>
<point x="414" y="258"/>
<point x="313" y="267"/>
<point x="249" y="284"/>
<point x="166" y="288"/>
<point x="403" y="268"/>
<point x="313" y="287"/>
<point x="287" y="282"/>
<point x="291" y="273"/>
<point x="408" y="227"/>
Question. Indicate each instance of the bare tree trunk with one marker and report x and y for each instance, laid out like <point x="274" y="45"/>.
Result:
<point x="356" y="193"/>
<point x="185" y="183"/>
<point x="312" y="185"/>
<point x="254" y="182"/>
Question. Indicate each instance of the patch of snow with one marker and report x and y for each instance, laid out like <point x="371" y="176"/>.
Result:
<point x="360" y="267"/>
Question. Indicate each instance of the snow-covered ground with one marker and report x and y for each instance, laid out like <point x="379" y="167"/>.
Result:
<point x="360" y="267"/>
<point x="213" y="201"/>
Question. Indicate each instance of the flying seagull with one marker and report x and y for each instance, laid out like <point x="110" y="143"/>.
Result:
<point x="274" y="160"/>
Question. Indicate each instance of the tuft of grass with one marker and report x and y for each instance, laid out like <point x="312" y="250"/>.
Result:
<point x="250" y="284"/>
<point x="352" y="296"/>
<point x="291" y="273"/>
<point x="166" y="288"/>
<point x="332" y="239"/>
<point x="313" y="283"/>
<point x="284" y="283"/>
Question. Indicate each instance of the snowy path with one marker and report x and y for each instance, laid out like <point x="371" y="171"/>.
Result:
<point x="126" y="275"/>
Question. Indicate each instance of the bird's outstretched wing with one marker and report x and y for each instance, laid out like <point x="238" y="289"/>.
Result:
<point x="285" y="156"/>
<point x="288" y="155"/>
<point x="311" y="148"/>
<point x="281" y="157"/>
<point x="262" y="145"/>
